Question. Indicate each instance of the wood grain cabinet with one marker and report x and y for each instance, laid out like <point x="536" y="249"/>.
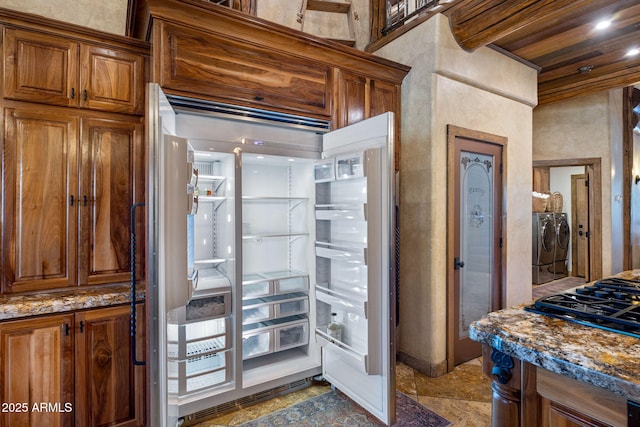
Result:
<point x="74" y="369"/>
<point x="61" y="71"/>
<point x="37" y="368"/>
<point x="69" y="183"/>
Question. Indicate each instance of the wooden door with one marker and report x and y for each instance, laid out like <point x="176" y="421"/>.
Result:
<point x="351" y="98"/>
<point x="40" y="67"/>
<point x="475" y="246"/>
<point x="37" y="369"/>
<point x="579" y="226"/>
<point x="40" y="200"/>
<point x="111" y="80"/>
<point x="112" y="180"/>
<point x="109" y="388"/>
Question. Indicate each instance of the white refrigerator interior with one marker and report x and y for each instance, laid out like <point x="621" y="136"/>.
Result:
<point x="267" y="247"/>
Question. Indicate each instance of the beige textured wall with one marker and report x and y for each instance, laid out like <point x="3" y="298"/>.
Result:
<point x="109" y="16"/>
<point x="581" y="128"/>
<point x="483" y="91"/>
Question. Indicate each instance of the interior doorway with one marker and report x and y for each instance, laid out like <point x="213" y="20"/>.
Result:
<point x="592" y="225"/>
<point x="474" y="245"/>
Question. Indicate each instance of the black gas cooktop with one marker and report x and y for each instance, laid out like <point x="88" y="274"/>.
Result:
<point x="612" y="304"/>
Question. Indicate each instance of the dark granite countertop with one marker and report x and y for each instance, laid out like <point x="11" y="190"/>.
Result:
<point x="598" y="357"/>
<point x="19" y="306"/>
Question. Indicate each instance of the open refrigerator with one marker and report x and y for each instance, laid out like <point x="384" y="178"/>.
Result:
<point x="265" y="238"/>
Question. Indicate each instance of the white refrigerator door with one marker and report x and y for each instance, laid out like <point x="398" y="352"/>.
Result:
<point x="362" y="364"/>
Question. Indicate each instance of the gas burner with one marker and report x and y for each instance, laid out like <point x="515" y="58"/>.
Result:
<point x="612" y="304"/>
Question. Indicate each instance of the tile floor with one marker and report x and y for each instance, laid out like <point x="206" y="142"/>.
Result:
<point x="462" y="396"/>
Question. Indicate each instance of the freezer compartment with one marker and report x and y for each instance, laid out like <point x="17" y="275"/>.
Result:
<point x="259" y="339"/>
<point x="198" y="339"/>
<point x="274" y="283"/>
<point x="274" y="307"/>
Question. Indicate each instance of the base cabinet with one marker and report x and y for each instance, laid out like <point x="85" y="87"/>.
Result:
<point x="73" y="369"/>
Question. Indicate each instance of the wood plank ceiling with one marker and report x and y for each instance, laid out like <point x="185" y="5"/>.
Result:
<point x="560" y="38"/>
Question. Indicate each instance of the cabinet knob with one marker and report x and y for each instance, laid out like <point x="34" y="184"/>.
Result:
<point x="84" y="95"/>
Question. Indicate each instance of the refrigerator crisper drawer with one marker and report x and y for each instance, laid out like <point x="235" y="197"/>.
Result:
<point x="264" y="338"/>
<point x="198" y="339"/>
<point x="274" y="307"/>
<point x="275" y="283"/>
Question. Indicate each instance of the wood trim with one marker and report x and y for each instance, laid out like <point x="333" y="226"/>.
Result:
<point x="593" y="169"/>
<point x="454" y="132"/>
<point x="631" y="98"/>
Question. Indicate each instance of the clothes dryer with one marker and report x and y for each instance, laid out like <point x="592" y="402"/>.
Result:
<point x="543" y="247"/>
<point x="563" y="239"/>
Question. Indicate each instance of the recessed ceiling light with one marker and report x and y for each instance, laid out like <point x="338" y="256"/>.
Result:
<point x="633" y="52"/>
<point x="605" y="23"/>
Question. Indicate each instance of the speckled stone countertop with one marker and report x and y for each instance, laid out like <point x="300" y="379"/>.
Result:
<point x="19" y="306"/>
<point x="604" y="359"/>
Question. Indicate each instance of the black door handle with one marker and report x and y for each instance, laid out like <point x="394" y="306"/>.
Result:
<point x="457" y="264"/>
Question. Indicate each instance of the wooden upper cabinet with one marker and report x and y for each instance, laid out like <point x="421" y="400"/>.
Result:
<point x="112" y="180"/>
<point x="37" y="368"/>
<point x="229" y="71"/>
<point x="60" y="71"/>
<point x="40" y="200"/>
<point x="109" y="387"/>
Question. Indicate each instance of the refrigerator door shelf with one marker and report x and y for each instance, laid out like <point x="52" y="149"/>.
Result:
<point x="324" y="171"/>
<point x="341" y="212"/>
<point x="339" y="252"/>
<point x="349" y="166"/>
<point x="362" y="360"/>
<point x="343" y="301"/>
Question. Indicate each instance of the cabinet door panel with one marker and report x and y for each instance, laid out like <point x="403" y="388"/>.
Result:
<point x="40" y="67"/>
<point x="205" y="64"/>
<point x="111" y="80"/>
<point x="109" y="389"/>
<point x="352" y="98"/>
<point x="37" y="368"/>
<point x="112" y="180"/>
<point x="40" y="172"/>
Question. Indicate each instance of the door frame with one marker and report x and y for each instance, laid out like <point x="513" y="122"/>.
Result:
<point x="593" y="170"/>
<point x="574" y="231"/>
<point x="454" y="132"/>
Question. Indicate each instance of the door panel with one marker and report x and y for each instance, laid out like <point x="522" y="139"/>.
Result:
<point x="477" y="231"/>
<point x="40" y="224"/>
<point x="112" y="180"/>
<point x="580" y="227"/>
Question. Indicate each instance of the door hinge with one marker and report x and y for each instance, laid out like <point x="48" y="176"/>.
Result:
<point x="500" y="242"/>
<point x="586" y="182"/>
<point x="501" y="168"/>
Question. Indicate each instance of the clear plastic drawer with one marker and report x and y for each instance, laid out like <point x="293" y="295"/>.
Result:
<point x="290" y="307"/>
<point x="258" y="311"/>
<point x="256" y="290"/>
<point x="258" y="344"/>
<point x="292" y="336"/>
<point x="293" y="284"/>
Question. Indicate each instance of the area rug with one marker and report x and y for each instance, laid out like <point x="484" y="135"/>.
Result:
<point x="335" y="409"/>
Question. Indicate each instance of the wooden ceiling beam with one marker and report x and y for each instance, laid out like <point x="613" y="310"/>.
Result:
<point x="477" y="23"/>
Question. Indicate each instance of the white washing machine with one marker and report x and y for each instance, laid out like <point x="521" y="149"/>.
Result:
<point x="544" y="243"/>
<point x="563" y="239"/>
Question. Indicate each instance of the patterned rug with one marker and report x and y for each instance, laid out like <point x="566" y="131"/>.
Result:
<point x="335" y="409"/>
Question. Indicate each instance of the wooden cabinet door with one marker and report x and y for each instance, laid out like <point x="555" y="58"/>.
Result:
<point x="240" y="73"/>
<point x="111" y="80"/>
<point x="37" y="369"/>
<point x="40" y="67"/>
<point x="109" y="388"/>
<point x="40" y="200"/>
<point x="112" y="179"/>
<point x="352" y="99"/>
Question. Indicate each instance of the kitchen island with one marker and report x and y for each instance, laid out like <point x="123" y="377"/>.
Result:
<point x="552" y="372"/>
